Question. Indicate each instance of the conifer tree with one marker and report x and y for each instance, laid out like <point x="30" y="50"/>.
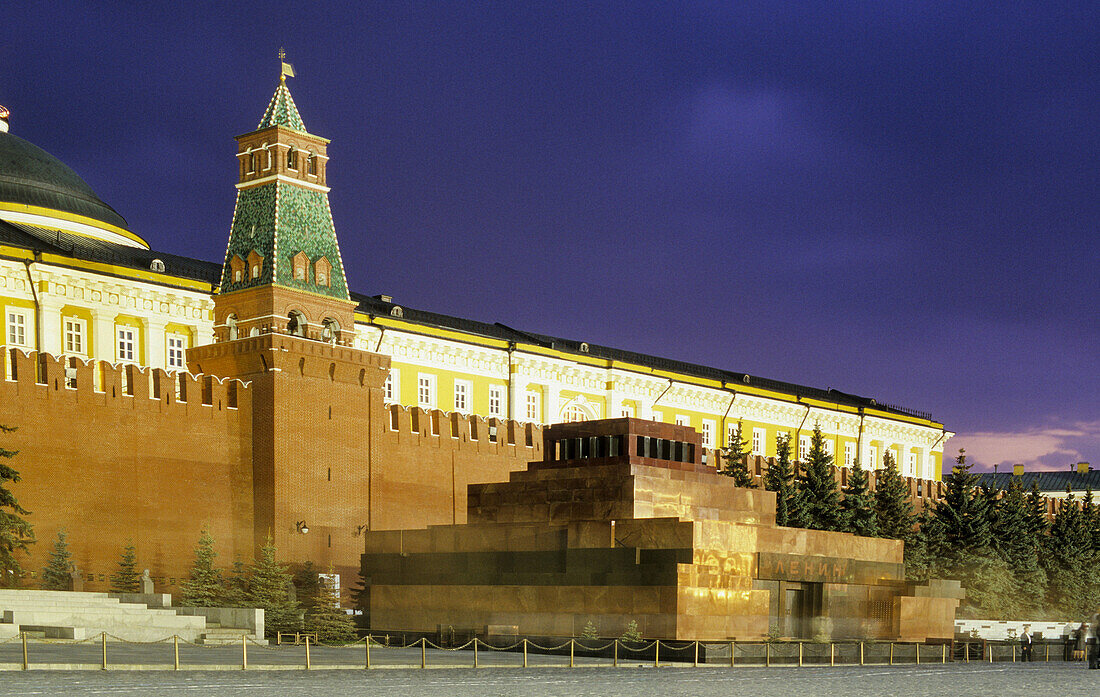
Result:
<point x="1014" y="543"/>
<point x="205" y="587"/>
<point x="859" y="503"/>
<point x="127" y="579"/>
<point x="324" y="615"/>
<point x="734" y="456"/>
<point x="922" y="560"/>
<point x="893" y="506"/>
<point x="236" y="586"/>
<point x="16" y="534"/>
<point x="820" y="494"/>
<point x="1067" y="561"/>
<point x="780" y="479"/>
<point x="57" y="576"/>
<point x="269" y="589"/>
<point x="632" y="633"/>
<point x="1037" y="524"/>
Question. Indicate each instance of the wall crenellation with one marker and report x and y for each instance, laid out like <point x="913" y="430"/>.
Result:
<point x="467" y="431"/>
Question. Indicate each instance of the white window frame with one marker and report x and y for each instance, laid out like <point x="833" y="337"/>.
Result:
<point x="126" y="349"/>
<point x="425" y="390"/>
<point x="911" y="464"/>
<point x="496" y="400"/>
<point x="829" y="448"/>
<point x="533" y="406"/>
<point x="391" y="390"/>
<point x="759" y="441"/>
<point x="16" y="322"/>
<point x="803" y="448"/>
<point x="707" y="431"/>
<point x="177" y="351"/>
<point x="849" y="454"/>
<point x="872" y="456"/>
<point x="75" y="332"/>
<point x="463" y="389"/>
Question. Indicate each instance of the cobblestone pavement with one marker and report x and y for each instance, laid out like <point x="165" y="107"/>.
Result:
<point x="711" y="681"/>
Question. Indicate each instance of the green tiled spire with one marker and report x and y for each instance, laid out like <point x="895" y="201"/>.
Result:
<point x="282" y="111"/>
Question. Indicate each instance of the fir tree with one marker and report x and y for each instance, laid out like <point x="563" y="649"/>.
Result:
<point x="631" y="634"/>
<point x="16" y="534"/>
<point x="269" y="588"/>
<point x="1068" y="561"/>
<point x="590" y="632"/>
<point x="922" y="560"/>
<point x="734" y="456"/>
<point x="324" y="616"/>
<point x="236" y="586"/>
<point x="1013" y="543"/>
<point x="57" y="576"/>
<point x="127" y="579"/>
<point x="893" y="507"/>
<point x="820" y="494"/>
<point x="780" y="479"/>
<point x="204" y="588"/>
<point x="859" y="503"/>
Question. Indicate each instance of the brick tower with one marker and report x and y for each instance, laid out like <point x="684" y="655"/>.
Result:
<point x="284" y="322"/>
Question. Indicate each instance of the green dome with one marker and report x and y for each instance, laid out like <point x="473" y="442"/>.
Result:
<point x="31" y="176"/>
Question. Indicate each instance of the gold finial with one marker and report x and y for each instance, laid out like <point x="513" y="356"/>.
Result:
<point x="287" y="70"/>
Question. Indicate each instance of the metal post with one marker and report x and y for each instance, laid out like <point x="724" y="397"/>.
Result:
<point x="616" y="658"/>
<point x="571" y="643"/>
<point x="861" y="653"/>
<point x="767" y="654"/>
<point x="733" y="646"/>
<point x="832" y="654"/>
<point x="244" y="652"/>
<point x="1047" y="659"/>
<point x="524" y="653"/>
<point x="1014" y="653"/>
<point x="307" y="652"/>
<point x="423" y="652"/>
<point x="696" y="664"/>
<point x="943" y="654"/>
<point x="475" y="652"/>
<point x="103" y="641"/>
<point x="26" y="665"/>
<point x="891" y="653"/>
<point x="368" y="651"/>
<point x="916" y="647"/>
<point x="656" y="653"/>
<point x="800" y="654"/>
<point x="989" y="650"/>
<point x="966" y="650"/>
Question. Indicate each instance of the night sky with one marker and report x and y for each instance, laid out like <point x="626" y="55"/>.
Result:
<point x="898" y="200"/>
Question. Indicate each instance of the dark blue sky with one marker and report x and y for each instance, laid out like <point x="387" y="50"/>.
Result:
<point x="893" y="199"/>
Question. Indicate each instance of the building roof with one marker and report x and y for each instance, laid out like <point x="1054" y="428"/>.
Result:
<point x="1056" y="481"/>
<point x="282" y="111"/>
<point x="378" y="307"/>
<point x="31" y="176"/>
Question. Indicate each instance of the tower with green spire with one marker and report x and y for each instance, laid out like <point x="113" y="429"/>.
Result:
<point x="282" y="270"/>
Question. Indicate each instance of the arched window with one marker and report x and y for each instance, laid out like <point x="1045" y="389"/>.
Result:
<point x="311" y="164"/>
<point x="573" y="413"/>
<point x="296" y="323"/>
<point x="292" y="158"/>
<point x="231" y="325"/>
<point x="330" y="331"/>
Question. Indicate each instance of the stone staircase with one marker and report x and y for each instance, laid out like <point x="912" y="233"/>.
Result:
<point x="73" y="615"/>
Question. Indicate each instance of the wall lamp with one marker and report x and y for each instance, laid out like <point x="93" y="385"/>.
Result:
<point x="302" y="527"/>
<point x="360" y="529"/>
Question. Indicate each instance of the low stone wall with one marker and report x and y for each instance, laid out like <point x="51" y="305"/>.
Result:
<point x="999" y="630"/>
<point x="251" y="619"/>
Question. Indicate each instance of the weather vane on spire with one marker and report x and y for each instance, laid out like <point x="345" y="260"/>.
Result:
<point x="287" y="68"/>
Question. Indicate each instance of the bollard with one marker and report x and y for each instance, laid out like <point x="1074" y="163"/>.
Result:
<point x="696" y="664"/>
<point x="176" y="647"/>
<point x="307" y="652"/>
<point x="475" y="652"/>
<point x="861" y="653"/>
<point x="423" y="652"/>
<point x="800" y="654"/>
<point x="368" y="651"/>
<point x="244" y="652"/>
<point x="989" y="650"/>
<point x="103" y="641"/>
<point x="26" y="665"/>
<point x="1047" y="659"/>
<point x="916" y="647"/>
<point x="832" y="654"/>
<point x="943" y="654"/>
<point x="891" y="653"/>
<point x="733" y="646"/>
<point x="1014" y="653"/>
<point x="966" y="651"/>
<point x="767" y="654"/>
<point x="657" y="653"/>
<point x="524" y="653"/>
<point x="615" y="664"/>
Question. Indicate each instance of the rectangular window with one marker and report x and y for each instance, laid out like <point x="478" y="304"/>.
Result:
<point x="658" y="416"/>
<point x="425" y="390"/>
<point x="393" y="385"/>
<point x="126" y="344"/>
<point x="496" y="400"/>
<point x="682" y="420"/>
<point x="17" y="328"/>
<point x="75" y="331"/>
<point x="627" y="411"/>
<point x="803" y="448"/>
<point x="872" y="457"/>
<point x="708" y="434"/>
<point x="462" y="396"/>
<point x="911" y="465"/>
<point x="534" y="409"/>
<point x="829" y="446"/>
<point x="759" y="437"/>
<point x="849" y="454"/>
<point x="177" y="347"/>
<point x="731" y="433"/>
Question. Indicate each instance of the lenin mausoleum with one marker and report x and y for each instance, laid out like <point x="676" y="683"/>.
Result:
<point x="156" y="394"/>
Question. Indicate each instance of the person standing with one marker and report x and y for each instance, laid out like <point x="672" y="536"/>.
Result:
<point x="1027" y="646"/>
<point x="1094" y="642"/>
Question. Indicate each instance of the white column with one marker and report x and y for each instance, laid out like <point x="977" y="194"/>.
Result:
<point x="154" y="342"/>
<point x="103" y="336"/>
<point x="50" y="323"/>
